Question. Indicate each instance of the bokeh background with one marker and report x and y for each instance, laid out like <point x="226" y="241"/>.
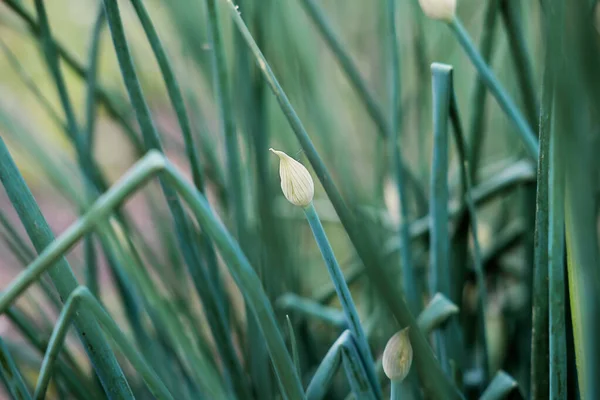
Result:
<point x="31" y="122"/>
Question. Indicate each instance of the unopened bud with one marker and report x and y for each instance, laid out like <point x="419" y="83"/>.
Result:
<point x="397" y="356"/>
<point x="443" y="10"/>
<point x="296" y="183"/>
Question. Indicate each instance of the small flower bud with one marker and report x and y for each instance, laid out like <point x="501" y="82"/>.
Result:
<point x="296" y="183"/>
<point x="397" y="356"/>
<point x="443" y="10"/>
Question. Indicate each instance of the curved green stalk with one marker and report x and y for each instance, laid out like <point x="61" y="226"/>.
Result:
<point x="489" y="79"/>
<point x="344" y="295"/>
<point x="79" y="298"/>
<point x="343" y="351"/>
<point x="103" y="359"/>
<point x="153" y="164"/>
<point x="410" y="286"/>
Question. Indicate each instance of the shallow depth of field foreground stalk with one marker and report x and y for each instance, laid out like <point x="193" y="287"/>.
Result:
<point x="151" y="165"/>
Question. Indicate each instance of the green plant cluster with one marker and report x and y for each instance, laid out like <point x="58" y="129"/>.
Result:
<point x="456" y="195"/>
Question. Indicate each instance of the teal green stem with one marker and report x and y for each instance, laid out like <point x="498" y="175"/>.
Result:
<point x="540" y="318"/>
<point x="104" y="362"/>
<point x="79" y="298"/>
<point x="343" y="293"/>
<point x="556" y="269"/>
<point x="151" y="165"/>
<point x="439" y="273"/>
<point x="489" y="79"/>
<point x="11" y="375"/>
<point x="408" y="276"/>
<point x="438" y="384"/>
<point x="399" y="390"/>
<point x="343" y="351"/>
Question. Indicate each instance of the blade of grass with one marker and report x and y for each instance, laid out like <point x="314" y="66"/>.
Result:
<point x="153" y="164"/>
<point x="556" y="268"/>
<point x="437" y="383"/>
<point x="105" y="364"/>
<point x="539" y="341"/>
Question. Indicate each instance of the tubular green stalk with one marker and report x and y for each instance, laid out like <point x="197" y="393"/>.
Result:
<point x="243" y="273"/>
<point x="343" y="293"/>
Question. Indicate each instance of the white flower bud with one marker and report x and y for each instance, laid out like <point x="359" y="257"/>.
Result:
<point x="443" y="10"/>
<point x="397" y="356"/>
<point x="296" y="183"/>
